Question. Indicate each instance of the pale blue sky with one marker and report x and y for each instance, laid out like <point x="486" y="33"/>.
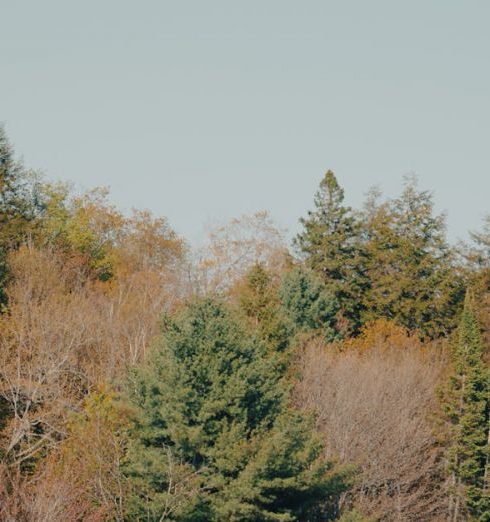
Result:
<point x="203" y="110"/>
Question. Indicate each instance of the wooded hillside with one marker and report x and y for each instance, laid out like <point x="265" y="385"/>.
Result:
<point x="344" y="376"/>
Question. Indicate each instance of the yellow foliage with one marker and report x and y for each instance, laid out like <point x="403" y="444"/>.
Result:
<point x="92" y="454"/>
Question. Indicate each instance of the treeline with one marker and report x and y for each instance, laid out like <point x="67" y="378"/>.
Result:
<point x="343" y="378"/>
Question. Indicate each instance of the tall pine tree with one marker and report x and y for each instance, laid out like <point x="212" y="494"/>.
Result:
<point x="467" y="406"/>
<point x="330" y="245"/>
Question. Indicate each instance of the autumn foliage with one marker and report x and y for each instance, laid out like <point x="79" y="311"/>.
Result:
<point x="344" y="378"/>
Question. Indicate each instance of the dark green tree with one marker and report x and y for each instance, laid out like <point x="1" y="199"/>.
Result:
<point x="330" y="245"/>
<point x="18" y="205"/>
<point x="466" y="402"/>
<point x="308" y="304"/>
<point x="215" y="438"/>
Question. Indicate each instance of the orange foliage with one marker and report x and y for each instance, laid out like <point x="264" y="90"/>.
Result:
<point x="382" y="334"/>
<point x="84" y="303"/>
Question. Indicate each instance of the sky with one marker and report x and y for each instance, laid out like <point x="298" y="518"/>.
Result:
<point x="205" y="110"/>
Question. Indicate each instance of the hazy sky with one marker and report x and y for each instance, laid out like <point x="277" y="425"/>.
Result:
<point x="203" y="110"/>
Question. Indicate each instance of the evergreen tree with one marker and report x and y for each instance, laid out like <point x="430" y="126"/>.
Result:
<point x="477" y="273"/>
<point x="308" y="304"/>
<point x="480" y="253"/>
<point x="215" y="438"/>
<point x="414" y="280"/>
<point x="330" y="245"/>
<point x="260" y="302"/>
<point x="18" y="205"/>
<point x="467" y="405"/>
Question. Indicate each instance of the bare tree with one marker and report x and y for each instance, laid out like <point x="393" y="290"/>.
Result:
<point x="233" y="248"/>
<point x="374" y="408"/>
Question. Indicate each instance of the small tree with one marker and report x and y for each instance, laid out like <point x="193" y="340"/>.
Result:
<point x="480" y="251"/>
<point x="467" y="405"/>
<point x="259" y="300"/>
<point x="308" y="304"/>
<point x="215" y="438"/>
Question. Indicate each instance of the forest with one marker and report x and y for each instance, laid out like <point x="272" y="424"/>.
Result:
<point x="341" y="376"/>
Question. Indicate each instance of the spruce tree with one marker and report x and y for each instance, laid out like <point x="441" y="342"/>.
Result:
<point x="467" y="406"/>
<point x="308" y="305"/>
<point x="215" y="437"/>
<point x="330" y="245"/>
<point x="16" y="207"/>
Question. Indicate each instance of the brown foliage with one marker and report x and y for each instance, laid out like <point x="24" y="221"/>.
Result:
<point x="59" y="338"/>
<point x="374" y="402"/>
<point x="43" y="342"/>
<point x="45" y="497"/>
<point x="82" y="479"/>
<point x="64" y="333"/>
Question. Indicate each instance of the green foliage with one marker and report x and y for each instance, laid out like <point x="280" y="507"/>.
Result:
<point x="84" y="228"/>
<point x="477" y="268"/>
<point x="308" y="304"/>
<point x="215" y="438"/>
<point x="330" y="245"/>
<point x="480" y="253"/>
<point x="94" y="468"/>
<point x="13" y="209"/>
<point x="392" y="261"/>
<point x="260" y="302"/>
<point x="467" y="406"/>
<point x="413" y="277"/>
